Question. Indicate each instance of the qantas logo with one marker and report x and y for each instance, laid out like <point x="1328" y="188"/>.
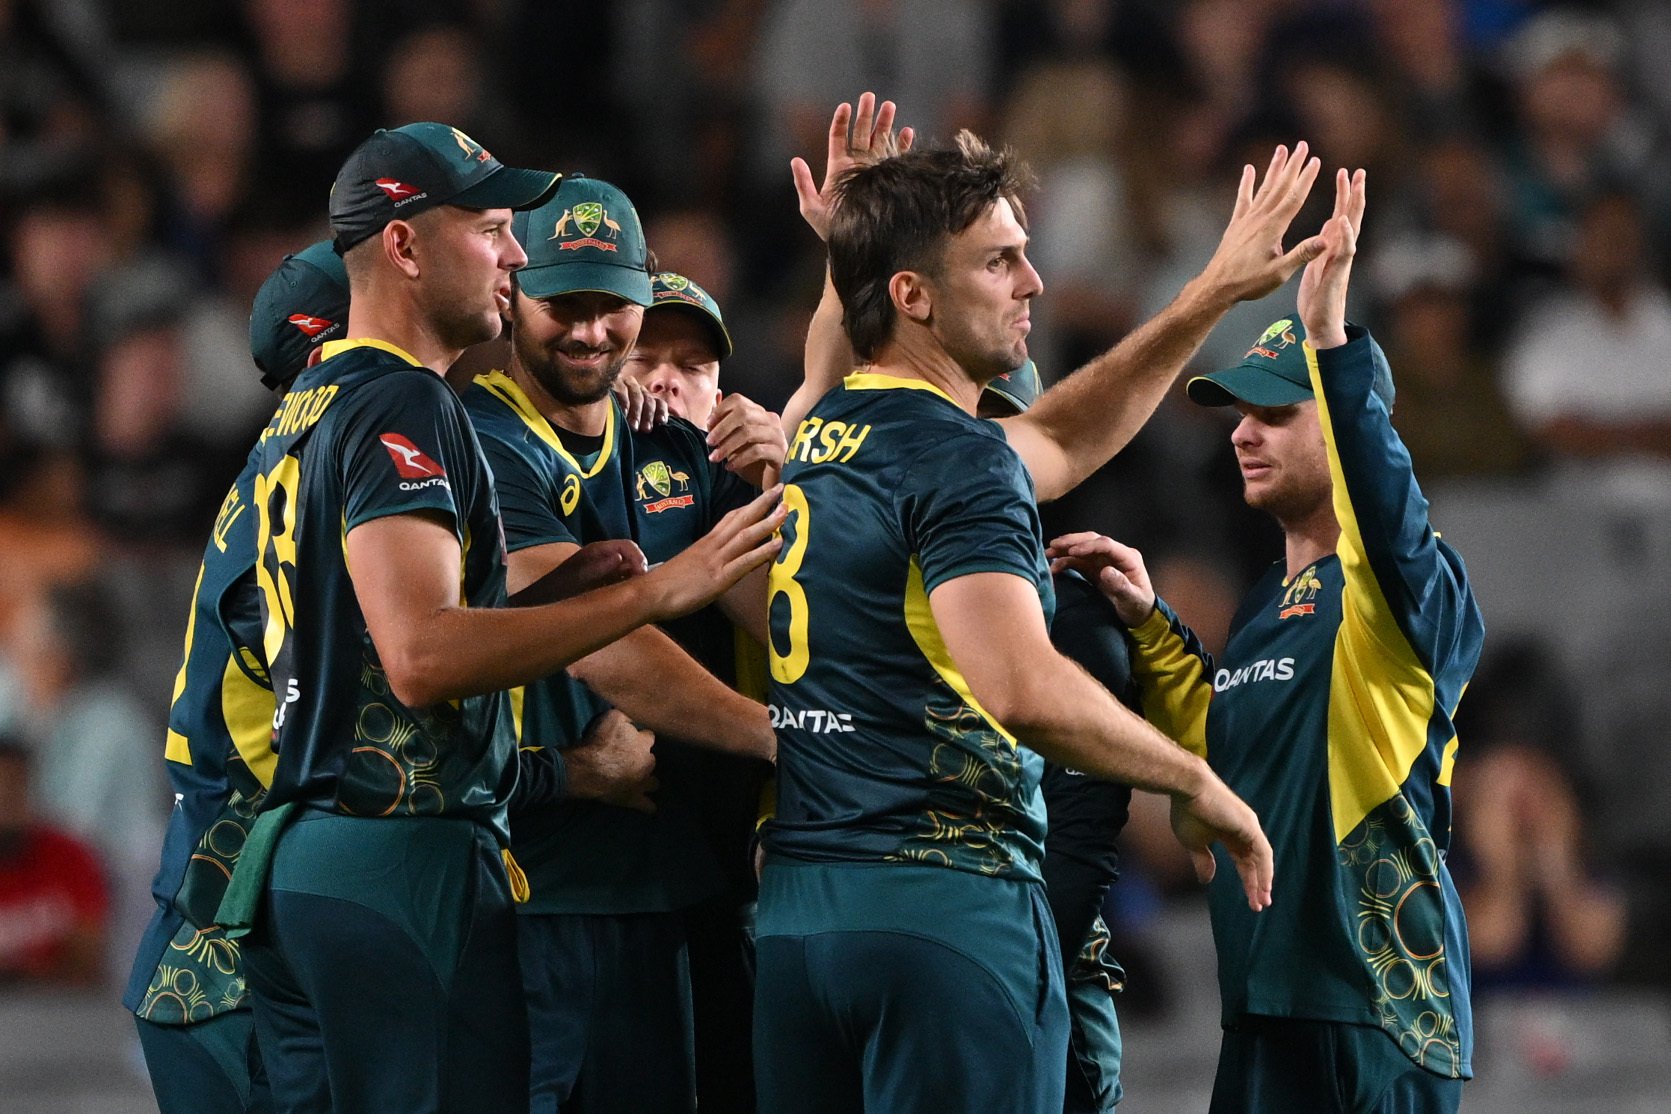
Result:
<point x="399" y="192"/>
<point x="311" y="326"/>
<point x="1266" y="669"/>
<point x="410" y="460"/>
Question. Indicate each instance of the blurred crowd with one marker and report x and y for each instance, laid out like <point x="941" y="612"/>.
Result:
<point x="155" y="166"/>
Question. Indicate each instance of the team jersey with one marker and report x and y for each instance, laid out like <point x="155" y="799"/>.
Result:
<point x="1330" y="714"/>
<point x="884" y="755"/>
<point x="369" y="433"/>
<point x="659" y="490"/>
<point x="220" y="760"/>
<point x="1085" y="814"/>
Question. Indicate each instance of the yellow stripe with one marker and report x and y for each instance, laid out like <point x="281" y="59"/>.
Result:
<point x="875" y="381"/>
<point x="505" y="389"/>
<point x="1447" y="764"/>
<point x="1380" y="696"/>
<point x="520" y="893"/>
<point x="518" y="694"/>
<point x="248" y="710"/>
<point x="749" y="660"/>
<point x="919" y="620"/>
<point x="1174" y="685"/>
<point x="177" y="749"/>
<point x="337" y="347"/>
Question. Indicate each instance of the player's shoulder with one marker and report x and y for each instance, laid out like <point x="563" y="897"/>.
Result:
<point x="676" y="436"/>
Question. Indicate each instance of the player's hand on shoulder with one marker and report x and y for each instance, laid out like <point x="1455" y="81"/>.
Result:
<point x="613" y="764"/>
<point x="1117" y="570"/>
<point x="853" y="141"/>
<point x="738" y="544"/>
<point x="748" y="439"/>
<point x="644" y="411"/>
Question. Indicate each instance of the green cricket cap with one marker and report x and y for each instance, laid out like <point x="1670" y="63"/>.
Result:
<point x="1274" y="372"/>
<point x="669" y="290"/>
<point x="586" y="237"/>
<point x="1019" y="388"/>
<point x="303" y="304"/>
<point x="401" y="172"/>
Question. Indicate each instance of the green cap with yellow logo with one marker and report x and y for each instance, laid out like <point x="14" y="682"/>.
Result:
<point x="586" y="238"/>
<point x="675" y="291"/>
<point x="1274" y="372"/>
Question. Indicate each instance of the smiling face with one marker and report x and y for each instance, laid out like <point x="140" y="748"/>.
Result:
<point x="981" y="294"/>
<point x="465" y="257"/>
<point x="675" y="359"/>
<point x="574" y="344"/>
<point x="1284" y="464"/>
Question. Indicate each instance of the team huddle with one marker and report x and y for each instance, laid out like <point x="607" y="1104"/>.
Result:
<point x="589" y="739"/>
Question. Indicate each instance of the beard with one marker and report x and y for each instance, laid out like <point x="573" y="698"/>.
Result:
<point x="568" y="386"/>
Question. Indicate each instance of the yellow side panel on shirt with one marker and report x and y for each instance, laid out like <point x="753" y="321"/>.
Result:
<point x="248" y="709"/>
<point x="919" y="619"/>
<point x="1380" y="696"/>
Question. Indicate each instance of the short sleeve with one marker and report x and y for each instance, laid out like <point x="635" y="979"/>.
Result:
<point x="405" y="451"/>
<point x="965" y="506"/>
<point x="530" y="502"/>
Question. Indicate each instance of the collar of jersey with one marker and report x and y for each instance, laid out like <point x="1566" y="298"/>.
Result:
<point x="505" y="389"/>
<point x="876" y="381"/>
<point x="337" y="347"/>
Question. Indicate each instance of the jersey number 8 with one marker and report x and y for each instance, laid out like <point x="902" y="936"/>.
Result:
<point x="788" y="668"/>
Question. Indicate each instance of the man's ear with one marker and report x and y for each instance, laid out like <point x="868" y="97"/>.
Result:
<point x="913" y="296"/>
<point x="399" y="240"/>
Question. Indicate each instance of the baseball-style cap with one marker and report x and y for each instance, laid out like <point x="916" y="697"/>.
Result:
<point x="674" y="291"/>
<point x="402" y="172"/>
<point x="303" y="304"/>
<point x="586" y="237"/>
<point x="1019" y="388"/>
<point x="1274" y="373"/>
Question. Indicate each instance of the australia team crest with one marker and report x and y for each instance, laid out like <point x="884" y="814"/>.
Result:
<point x="655" y="487"/>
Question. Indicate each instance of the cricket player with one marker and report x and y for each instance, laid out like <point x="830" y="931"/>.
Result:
<point x="187" y="988"/>
<point x="378" y="881"/>
<point x="1330" y="711"/>
<point x="604" y="938"/>
<point x="902" y="920"/>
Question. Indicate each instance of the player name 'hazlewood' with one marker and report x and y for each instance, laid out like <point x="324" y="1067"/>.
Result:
<point x="300" y="410"/>
<point x="818" y="441"/>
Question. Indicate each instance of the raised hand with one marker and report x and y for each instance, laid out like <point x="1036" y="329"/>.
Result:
<point x="1322" y="297"/>
<point x="748" y="439"/>
<point x="613" y="764"/>
<point x="1117" y="570"/>
<point x="853" y="142"/>
<point x="738" y="544"/>
<point x="644" y="411"/>
<point x="1250" y="261"/>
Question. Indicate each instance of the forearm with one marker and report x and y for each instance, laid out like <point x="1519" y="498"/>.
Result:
<point x="660" y="687"/>
<point x="1073" y="721"/>
<point x="457" y="652"/>
<point x="829" y="358"/>
<point x="1081" y="422"/>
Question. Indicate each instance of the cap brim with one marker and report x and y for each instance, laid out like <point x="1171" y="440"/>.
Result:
<point x="1254" y="385"/>
<point x="722" y="335"/>
<point x="997" y="387"/>
<point x="509" y="187"/>
<point x="579" y="278"/>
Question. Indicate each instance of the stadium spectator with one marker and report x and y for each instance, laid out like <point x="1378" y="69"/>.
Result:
<point x="52" y="894"/>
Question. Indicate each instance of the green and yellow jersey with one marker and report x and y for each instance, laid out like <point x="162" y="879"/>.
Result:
<point x="1330" y="714"/>
<point x="220" y="760"/>
<point x="365" y="434"/>
<point x="884" y="755"/>
<point x="660" y="490"/>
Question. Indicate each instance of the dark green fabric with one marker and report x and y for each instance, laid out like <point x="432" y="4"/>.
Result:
<point x="609" y="1007"/>
<point x="1272" y="1065"/>
<point x="211" y="1067"/>
<point x="241" y="905"/>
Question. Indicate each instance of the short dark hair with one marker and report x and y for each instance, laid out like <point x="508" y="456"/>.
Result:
<point x="898" y="215"/>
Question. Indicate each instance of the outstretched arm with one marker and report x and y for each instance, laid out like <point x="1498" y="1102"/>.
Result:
<point x="1081" y="422"/>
